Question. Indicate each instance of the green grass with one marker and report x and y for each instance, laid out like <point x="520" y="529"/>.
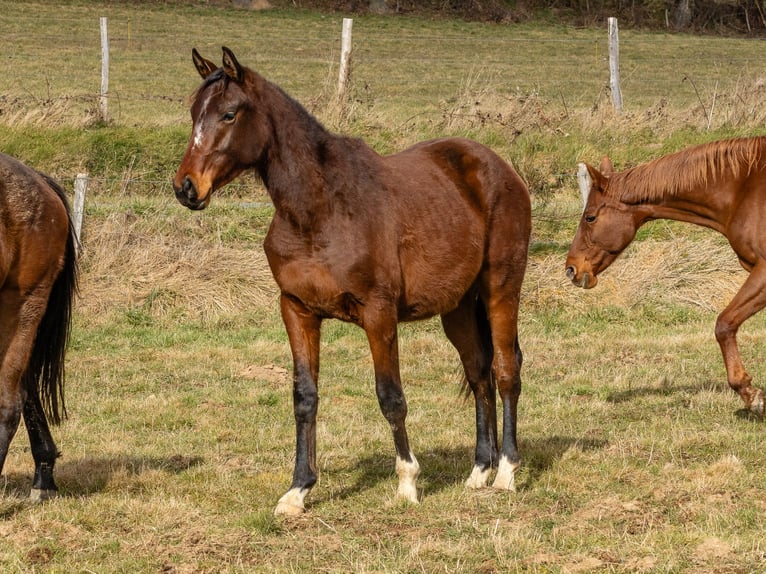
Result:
<point x="637" y="457"/>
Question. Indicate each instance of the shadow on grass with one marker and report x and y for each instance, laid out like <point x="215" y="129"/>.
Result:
<point x="663" y="390"/>
<point x="85" y="476"/>
<point x="444" y="468"/>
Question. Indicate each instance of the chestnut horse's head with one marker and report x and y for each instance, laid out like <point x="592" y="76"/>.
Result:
<point x="606" y="228"/>
<point x="223" y="142"/>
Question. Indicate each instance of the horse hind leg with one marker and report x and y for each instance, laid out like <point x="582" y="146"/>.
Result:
<point x="18" y="324"/>
<point x="506" y="366"/>
<point x="10" y="416"/>
<point x="467" y="329"/>
<point x="43" y="448"/>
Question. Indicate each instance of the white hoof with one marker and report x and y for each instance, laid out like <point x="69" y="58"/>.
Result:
<point x="291" y="503"/>
<point x="408" y="472"/>
<point x="758" y="405"/>
<point x="506" y="475"/>
<point x="479" y="477"/>
<point x="40" y="495"/>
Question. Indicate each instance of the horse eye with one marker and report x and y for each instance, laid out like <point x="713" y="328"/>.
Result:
<point x="229" y="117"/>
<point x="590" y="218"/>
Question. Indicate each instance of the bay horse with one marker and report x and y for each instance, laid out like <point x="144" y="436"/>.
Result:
<point x="720" y="185"/>
<point x="38" y="281"/>
<point x="441" y="228"/>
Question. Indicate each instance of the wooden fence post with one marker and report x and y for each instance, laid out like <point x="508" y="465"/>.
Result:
<point x="104" y="71"/>
<point x="614" y="65"/>
<point x="78" y="209"/>
<point x="345" y="57"/>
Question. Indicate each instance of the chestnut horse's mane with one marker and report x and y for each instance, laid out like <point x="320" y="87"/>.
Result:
<point x="688" y="169"/>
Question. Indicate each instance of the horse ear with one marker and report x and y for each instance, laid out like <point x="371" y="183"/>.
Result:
<point x="598" y="178"/>
<point x="231" y="66"/>
<point x="606" y="166"/>
<point x="204" y="67"/>
<point x="584" y="182"/>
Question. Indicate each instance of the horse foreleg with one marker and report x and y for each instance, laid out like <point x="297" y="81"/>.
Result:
<point x="750" y="299"/>
<point x="382" y="336"/>
<point x="303" y="328"/>
<point x="464" y="331"/>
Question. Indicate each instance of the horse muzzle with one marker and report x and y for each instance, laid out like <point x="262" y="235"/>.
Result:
<point x="188" y="196"/>
<point x="585" y="280"/>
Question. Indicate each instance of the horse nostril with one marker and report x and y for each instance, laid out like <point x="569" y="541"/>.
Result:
<point x="571" y="273"/>
<point x="188" y="189"/>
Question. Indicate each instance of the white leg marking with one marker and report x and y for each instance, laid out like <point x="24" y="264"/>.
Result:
<point x="758" y="405"/>
<point x="505" y="479"/>
<point x="39" y="495"/>
<point x="291" y="503"/>
<point x="478" y="478"/>
<point x="408" y="473"/>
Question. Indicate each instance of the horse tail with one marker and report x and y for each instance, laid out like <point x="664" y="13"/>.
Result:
<point x="45" y="371"/>
<point x="485" y="338"/>
<point x="487" y="348"/>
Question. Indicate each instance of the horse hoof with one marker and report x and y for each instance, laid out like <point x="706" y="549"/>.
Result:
<point x="479" y="478"/>
<point x="758" y="404"/>
<point x="291" y="503"/>
<point x="287" y="509"/>
<point x="41" y="495"/>
<point x="506" y="475"/>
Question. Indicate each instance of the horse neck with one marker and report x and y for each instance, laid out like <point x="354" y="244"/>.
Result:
<point x="291" y="163"/>
<point x="700" y="185"/>
<point x="703" y="202"/>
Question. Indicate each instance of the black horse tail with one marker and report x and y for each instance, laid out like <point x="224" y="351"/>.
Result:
<point x="487" y="347"/>
<point x="45" y="372"/>
<point x="485" y="340"/>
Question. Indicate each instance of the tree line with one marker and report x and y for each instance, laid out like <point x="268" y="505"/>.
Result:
<point x="710" y="16"/>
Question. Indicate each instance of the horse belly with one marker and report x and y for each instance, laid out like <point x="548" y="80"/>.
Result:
<point x="438" y="274"/>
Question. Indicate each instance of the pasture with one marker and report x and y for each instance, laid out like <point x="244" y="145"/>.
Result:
<point x="636" y="457"/>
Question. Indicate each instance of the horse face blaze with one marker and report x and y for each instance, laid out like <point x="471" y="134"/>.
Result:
<point x="208" y="163"/>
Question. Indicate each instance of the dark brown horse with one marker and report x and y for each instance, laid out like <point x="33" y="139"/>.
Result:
<point x="439" y="229"/>
<point x="38" y="280"/>
<point x="721" y="185"/>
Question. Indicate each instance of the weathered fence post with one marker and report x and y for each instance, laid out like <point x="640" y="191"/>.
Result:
<point x="614" y="65"/>
<point x="104" y="71"/>
<point x="345" y="57"/>
<point x="78" y="209"/>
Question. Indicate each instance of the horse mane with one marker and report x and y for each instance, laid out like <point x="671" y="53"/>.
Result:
<point x="688" y="169"/>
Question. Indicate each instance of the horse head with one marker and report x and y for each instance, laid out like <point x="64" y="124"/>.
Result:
<point x="223" y="142"/>
<point x="606" y="228"/>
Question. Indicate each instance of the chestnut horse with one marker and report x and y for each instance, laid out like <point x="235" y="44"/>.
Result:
<point x="439" y="229"/>
<point x="38" y="280"/>
<point x="720" y="185"/>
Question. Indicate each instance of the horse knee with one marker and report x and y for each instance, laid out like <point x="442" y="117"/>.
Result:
<point x="305" y="401"/>
<point x="392" y="402"/>
<point x="724" y="329"/>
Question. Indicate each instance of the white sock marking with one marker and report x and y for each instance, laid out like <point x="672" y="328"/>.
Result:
<point x="408" y="473"/>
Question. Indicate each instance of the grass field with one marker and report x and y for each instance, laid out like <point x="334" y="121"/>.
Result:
<point x="636" y="456"/>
